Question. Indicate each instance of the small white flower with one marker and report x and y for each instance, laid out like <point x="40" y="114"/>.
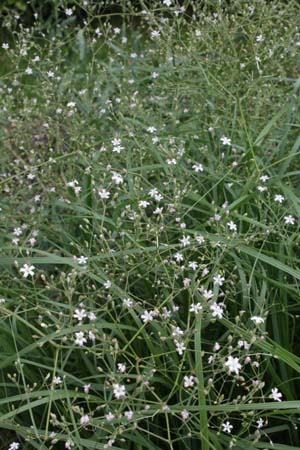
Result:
<point x="27" y="270"/>
<point x="198" y="167"/>
<point x="184" y="241"/>
<point x="262" y="188"/>
<point x="68" y="11"/>
<point x="109" y="417"/>
<point x="233" y="364"/>
<point x="218" y="280"/>
<point x="28" y="71"/>
<point x="151" y="129"/>
<point x="264" y="178"/>
<point x="200" y="239"/>
<point x="227" y="427"/>
<point x="119" y="391"/>
<point x="128" y="415"/>
<point x="107" y="284"/>
<point x="217" y="310"/>
<point x="86" y="388"/>
<point x="80" y="339"/>
<point x="225" y="140"/>
<point x="193" y="265"/>
<point x="196" y="308"/>
<point x="14" y="446"/>
<point x="143" y="204"/>
<point x="79" y="314"/>
<point x="121" y="368"/>
<point x="289" y="220"/>
<point x="257" y="319"/>
<point x="5" y="46"/>
<point x="279" y="198"/>
<point x="147" y="316"/>
<point x="260" y="422"/>
<point x="189" y="381"/>
<point x="117" y="178"/>
<point x="57" y="380"/>
<point x="155" y="34"/>
<point x="167" y="2"/>
<point x="185" y="414"/>
<point x="104" y="194"/>
<point x="84" y="420"/>
<point x="180" y="347"/>
<point x="276" y="395"/>
<point x="232" y="226"/>
<point x="127" y="302"/>
<point x="82" y="260"/>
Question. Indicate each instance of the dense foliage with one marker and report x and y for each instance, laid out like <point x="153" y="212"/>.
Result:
<point x="150" y="228"/>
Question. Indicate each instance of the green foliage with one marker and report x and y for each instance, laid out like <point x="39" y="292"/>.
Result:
<point x="149" y="228"/>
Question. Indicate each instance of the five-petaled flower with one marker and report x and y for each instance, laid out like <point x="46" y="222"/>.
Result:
<point x="27" y="270"/>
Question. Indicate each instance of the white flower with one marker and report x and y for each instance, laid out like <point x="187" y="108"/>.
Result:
<point x="200" y="239"/>
<point x="128" y="415"/>
<point x="68" y="11"/>
<point x="184" y="241"/>
<point x="57" y="380"/>
<point x="180" y="347"/>
<point x="119" y="391"/>
<point x="151" y="129"/>
<point x="167" y="2"/>
<point x="155" y="34"/>
<point x="276" y="395"/>
<point x="233" y="364"/>
<point x="218" y="280"/>
<point x="262" y="188"/>
<point x="193" y="265"/>
<point x="117" y="30"/>
<point x="27" y="270"/>
<point x="179" y="257"/>
<point x="5" y="46"/>
<point x="84" y="419"/>
<point x="257" y="319"/>
<point x="289" y="220"/>
<point x="80" y="339"/>
<point x="143" y="204"/>
<point x="259" y="38"/>
<point x="117" y="178"/>
<point x="207" y="294"/>
<point x="185" y="414"/>
<point x="86" y="388"/>
<point x="227" y="427"/>
<point x="198" y="167"/>
<point x="28" y="71"/>
<point x="109" y="417"/>
<point x="92" y="316"/>
<point x="196" y="308"/>
<point x="107" y="284"/>
<point x="147" y="316"/>
<point x="82" y="260"/>
<point x="14" y="446"/>
<point x="121" y="368"/>
<point x="232" y="226"/>
<point x="225" y="140"/>
<point x="189" y="381"/>
<point x="260" y="422"/>
<point x="69" y="444"/>
<point x="79" y="314"/>
<point x="264" y="178"/>
<point x="127" y="302"/>
<point x="104" y="194"/>
<point x="217" y="310"/>
<point x="279" y="198"/>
